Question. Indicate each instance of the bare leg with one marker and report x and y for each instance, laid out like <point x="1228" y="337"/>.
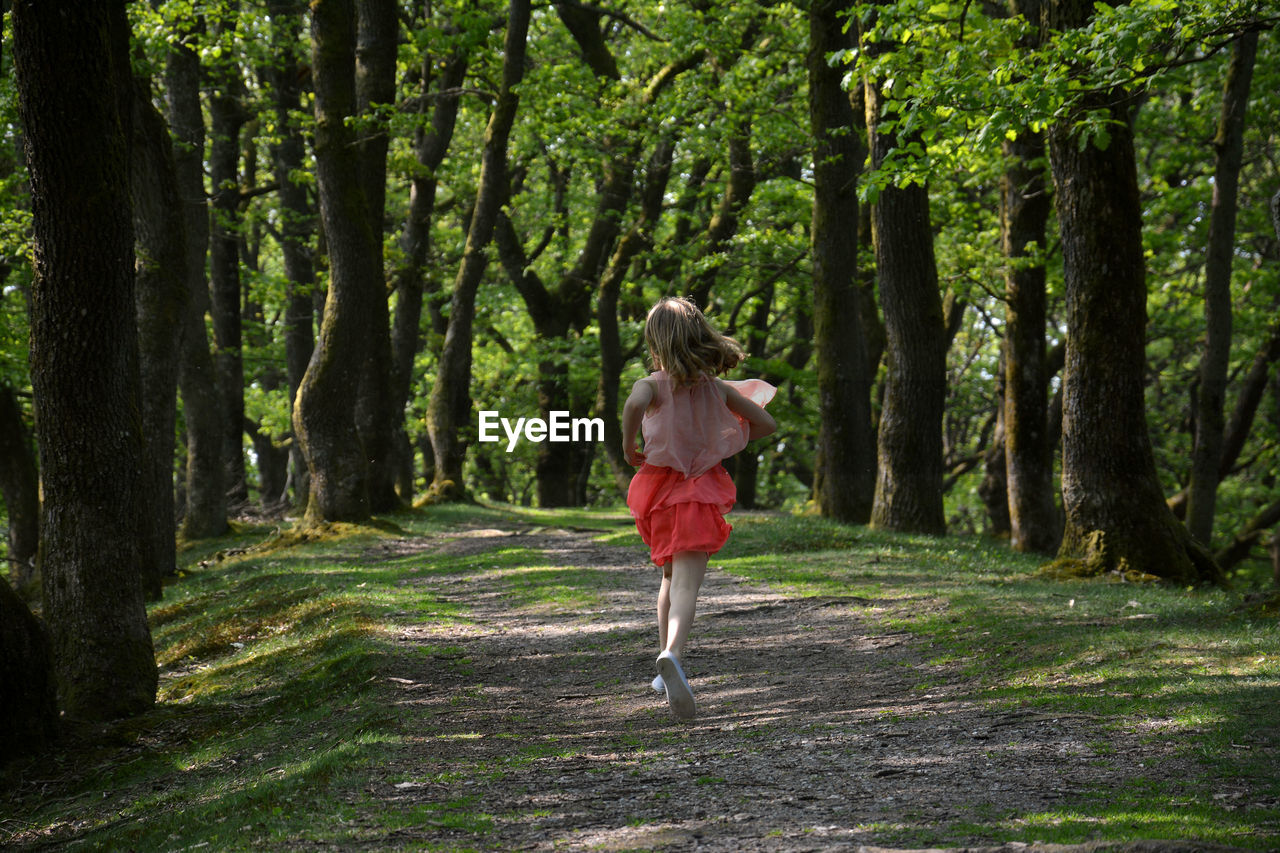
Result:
<point x="687" y="571"/>
<point x="664" y="610"/>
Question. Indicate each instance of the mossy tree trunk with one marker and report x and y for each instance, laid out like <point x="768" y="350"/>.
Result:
<point x="845" y="470"/>
<point x="75" y="83"/>
<point x="1206" y="453"/>
<point x="161" y="290"/>
<point x="325" y="418"/>
<point x="449" y="414"/>
<point x="205" y="513"/>
<point x="1116" y="517"/>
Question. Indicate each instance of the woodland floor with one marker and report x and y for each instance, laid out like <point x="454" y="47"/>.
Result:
<point x="815" y="730"/>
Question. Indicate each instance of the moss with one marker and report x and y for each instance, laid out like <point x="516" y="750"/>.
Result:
<point x="326" y="532"/>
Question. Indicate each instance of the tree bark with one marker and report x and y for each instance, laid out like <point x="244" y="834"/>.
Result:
<point x="639" y="238"/>
<point x="724" y="223"/>
<point x="29" y="712"/>
<point x="845" y="475"/>
<point x="161" y="294"/>
<point x="227" y="116"/>
<point x="909" y="479"/>
<point x="1239" y="425"/>
<point x="450" y="407"/>
<point x="994" y="488"/>
<point x="205" y="513"/>
<point x="1206" y="452"/>
<point x="375" y="79"/>
<point x="1025" y="204"/>
<point x="430" y="146"/>
<point x="1116" y="518"/>
<point x="75" y="83"/>
<point x="20" y="486"/>
<point x="1244" y="542"/>
<point x="325" y="420"/>
<point x="298" y="221"/>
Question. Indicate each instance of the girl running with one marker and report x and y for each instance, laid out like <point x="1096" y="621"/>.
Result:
<point x="691" y="421"/>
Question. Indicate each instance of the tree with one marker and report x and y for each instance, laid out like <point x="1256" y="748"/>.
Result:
<point x="297" y="216"/>
<point x="375" y="76"/>
<point x="324" y="419"/>
<point x="161" y="290"/>
<point x="227" y="118"/>
<point x="908" y="493"/>
<point x="75" y="82"/>
<point x="430" y="145"/>
<point x="1116" y="518"/>
<point x="1025" y="204"/>
<point x="20" y="487"/>
<point x="1206" y="454"/>
<point x="845" y="472"/>
<point x="205" y="513"/>
<point x="450" y="408"/>
<point x="29" y="713"/>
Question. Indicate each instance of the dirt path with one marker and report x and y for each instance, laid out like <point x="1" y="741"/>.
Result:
<point x="814" y="731"/>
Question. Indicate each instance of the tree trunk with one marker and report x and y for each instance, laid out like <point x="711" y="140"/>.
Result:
<point x="994" y="488"/>
<point x="20" y="486"/>
<point x="325" y="420"/>
<point x="29" y="712"/>
<point x="205" y="514"/>
<point x="1206" y="453"/>
<point x="430" y="147"/>
<point x="1025" y="203"/>
<point x="161" y="292"/>
<point x="226" y="118"/>
<point x="449" y="413"/>
<point x="1252" y="388"/>
<point x="909" y="480"/>
<point x="724" y="224"/>
<point x="297" y="223"/>
<point x="375" y="79"/>
<point x="1116" y="518"/>
<point x="845" y="476"/>
<point x="1249" y="536"/>
<point x="639" y="238"/>
<point x="75" y="83"/>
<point x="560" y="465"/>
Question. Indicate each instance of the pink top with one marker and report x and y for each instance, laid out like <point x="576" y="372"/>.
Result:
<point x="691" y="429"/>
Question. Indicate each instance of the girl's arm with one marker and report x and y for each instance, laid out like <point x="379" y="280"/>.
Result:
<point x="760" y="421"/>
<point x="632" y="413"/>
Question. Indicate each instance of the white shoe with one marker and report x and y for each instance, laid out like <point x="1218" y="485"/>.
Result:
<point x="658" y="685"/>
<point x="679" y="696"/>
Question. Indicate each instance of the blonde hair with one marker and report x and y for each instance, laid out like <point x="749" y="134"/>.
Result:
<point x="685" y="345"/>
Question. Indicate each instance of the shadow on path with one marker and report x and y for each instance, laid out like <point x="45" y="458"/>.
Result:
<point x="532" y="724"/>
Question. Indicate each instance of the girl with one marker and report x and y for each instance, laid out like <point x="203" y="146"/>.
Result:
<point x="691" y="421"/>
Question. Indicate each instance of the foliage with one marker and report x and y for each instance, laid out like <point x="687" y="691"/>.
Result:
<point x="964" y="75"/>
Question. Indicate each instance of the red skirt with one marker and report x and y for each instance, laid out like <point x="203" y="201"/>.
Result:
<point x="676" y="513"/>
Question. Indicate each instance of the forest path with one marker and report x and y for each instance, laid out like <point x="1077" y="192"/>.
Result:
<point x="531" y="724"/>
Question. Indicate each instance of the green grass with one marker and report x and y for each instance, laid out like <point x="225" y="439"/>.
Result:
<point x="274" y="717"/>
<point x="1198" y="664"/>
